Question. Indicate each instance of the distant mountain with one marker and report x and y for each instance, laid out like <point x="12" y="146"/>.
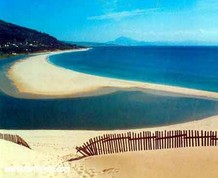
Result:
<point x="17" y="39"/>
<point x="125" y="41"/>
<point x="88" y="44"/>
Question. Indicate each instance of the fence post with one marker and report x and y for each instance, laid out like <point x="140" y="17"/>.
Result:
<point x="216" y="138"/>
<point x="198" y="138"/>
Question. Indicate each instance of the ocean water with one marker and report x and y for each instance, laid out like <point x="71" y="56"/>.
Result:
<point x="119" y="110"/>
<point x="190" y="67"/>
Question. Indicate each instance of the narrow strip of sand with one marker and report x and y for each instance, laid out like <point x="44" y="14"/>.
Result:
<point x="37" y="76"/>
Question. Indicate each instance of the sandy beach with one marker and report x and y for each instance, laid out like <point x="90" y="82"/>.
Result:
<point x="52" y="148"/>
<point x="36" y="76"/>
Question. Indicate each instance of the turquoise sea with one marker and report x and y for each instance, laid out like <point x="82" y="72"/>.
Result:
<point x="192" y="67"/>
<point x="189" y="67"/>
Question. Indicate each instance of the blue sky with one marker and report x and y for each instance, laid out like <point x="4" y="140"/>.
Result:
<point x="105" y="20"/>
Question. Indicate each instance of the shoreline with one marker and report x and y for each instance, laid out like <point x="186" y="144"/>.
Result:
<point x="81" y="136"/>
<point x="34" y="78"/>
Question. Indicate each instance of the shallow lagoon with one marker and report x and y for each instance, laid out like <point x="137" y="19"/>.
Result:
<point x="120" y="110"/>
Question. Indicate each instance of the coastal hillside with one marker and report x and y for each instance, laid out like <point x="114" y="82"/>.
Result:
<point x="17" y="39"/>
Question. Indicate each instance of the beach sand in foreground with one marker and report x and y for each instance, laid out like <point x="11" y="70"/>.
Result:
<point x="52" y="148"/>
<point x="37" y="76"/>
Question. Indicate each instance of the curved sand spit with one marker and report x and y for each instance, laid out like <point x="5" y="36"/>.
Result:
<point x="37" y="76"/>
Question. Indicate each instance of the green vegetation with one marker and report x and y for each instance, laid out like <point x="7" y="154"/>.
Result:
<point x="15" y="39"/>
<point x="3" y="55"/>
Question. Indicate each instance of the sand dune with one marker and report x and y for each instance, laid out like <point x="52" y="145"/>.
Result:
<point x="54" y="147"/>
<point x="36" y="76"/>
<point x="18" y="161"/>
<point x="178" y="163"/>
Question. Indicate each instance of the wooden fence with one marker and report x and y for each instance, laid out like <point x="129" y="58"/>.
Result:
<point x="130" y="141"/>
<point x="14" y="138"/>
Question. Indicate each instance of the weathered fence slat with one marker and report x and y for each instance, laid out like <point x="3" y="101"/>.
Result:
<point x="15" y="139"/>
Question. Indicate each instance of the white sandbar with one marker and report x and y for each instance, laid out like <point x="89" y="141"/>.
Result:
<point x="37" y="76"/>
